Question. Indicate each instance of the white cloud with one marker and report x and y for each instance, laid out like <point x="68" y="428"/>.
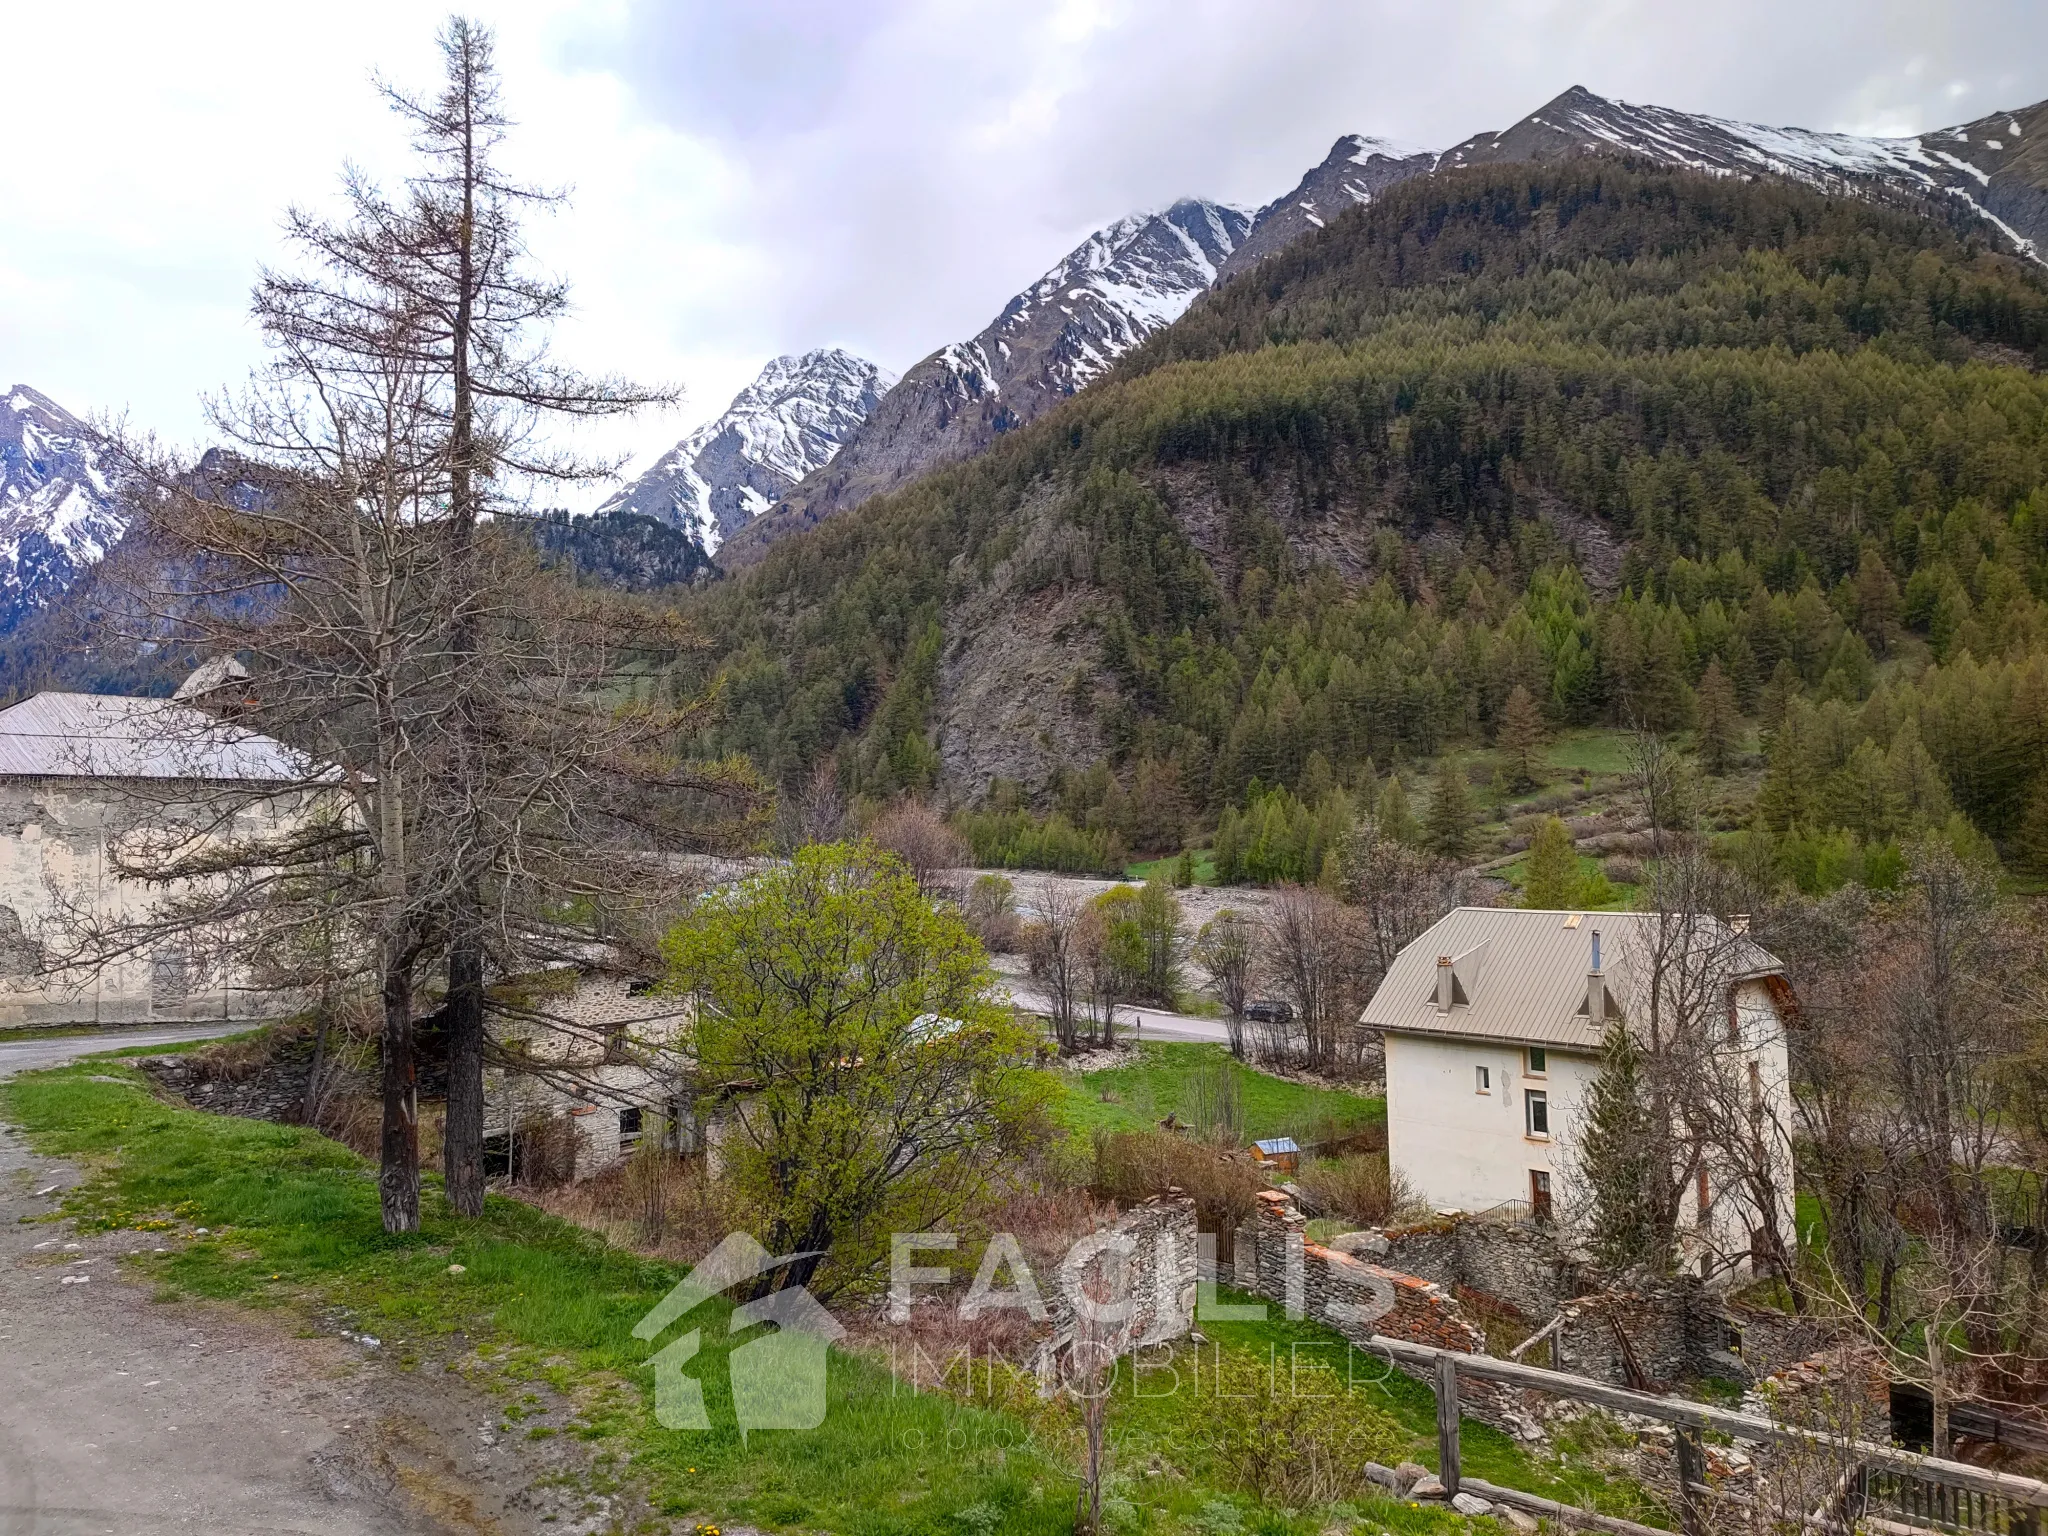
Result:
<point x="760" y="176"/>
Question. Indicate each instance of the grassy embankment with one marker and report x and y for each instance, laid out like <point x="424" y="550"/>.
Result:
<point x="293" y="1224"/>
<point x="1163" y="1080"/>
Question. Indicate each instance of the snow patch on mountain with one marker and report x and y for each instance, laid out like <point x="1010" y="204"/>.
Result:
<point x="790" y="421"/>
<point x="60" y="504"/>
<point x="1967" y="161"/>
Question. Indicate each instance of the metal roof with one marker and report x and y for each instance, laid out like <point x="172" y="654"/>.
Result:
<point x="1522" y="975"/>
<point x="1274" y="1146"/>
<point x="112" y="736"/>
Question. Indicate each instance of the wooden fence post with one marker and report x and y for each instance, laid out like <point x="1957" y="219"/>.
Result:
<point x="1692" y="1477"/>
<point x="1447" y="1421"/>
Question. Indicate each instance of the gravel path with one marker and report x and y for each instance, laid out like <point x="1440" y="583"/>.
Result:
<point x="122" y="1415"/>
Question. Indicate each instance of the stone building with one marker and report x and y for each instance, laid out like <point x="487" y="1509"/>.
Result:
<point x="597" y="1055"/>
<point x="81" y="777"/>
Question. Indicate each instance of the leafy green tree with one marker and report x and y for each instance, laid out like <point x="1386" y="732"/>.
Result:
<point x="1161" y="940"/>
<point x="1550" y="878"/>
<point x="1719" y="721"/>
<point x="1448" y="831"/>
<point x="1617" y="1160"/>
<point x="1521" y="738"/>
<point x="2033" y="835"/>
<point x="876" y="1078"/>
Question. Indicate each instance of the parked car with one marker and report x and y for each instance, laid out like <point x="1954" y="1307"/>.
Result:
<point x="1269" y="1010"/>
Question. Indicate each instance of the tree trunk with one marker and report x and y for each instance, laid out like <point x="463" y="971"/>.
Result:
<point x="463" y="1145"/>
<point x="398" y="1180"/>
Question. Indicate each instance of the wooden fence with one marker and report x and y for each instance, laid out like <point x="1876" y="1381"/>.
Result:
<point x="1885" y="1489"/>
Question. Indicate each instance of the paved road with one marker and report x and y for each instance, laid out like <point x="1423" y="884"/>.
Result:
<point x="121" y="1416"/>
<point x="1152" y="1023"/>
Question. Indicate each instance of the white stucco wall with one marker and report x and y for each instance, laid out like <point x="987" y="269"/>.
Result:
<point x="55" y="839"/>
<point x="1460" y="1148"/>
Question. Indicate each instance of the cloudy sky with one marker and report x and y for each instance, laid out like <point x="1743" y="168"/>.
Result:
<point x="761" y="176"/>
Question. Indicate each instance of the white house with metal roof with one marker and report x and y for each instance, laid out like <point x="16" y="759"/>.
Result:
<point x="1494" y="1021"/>
<point x="79" y="772"/>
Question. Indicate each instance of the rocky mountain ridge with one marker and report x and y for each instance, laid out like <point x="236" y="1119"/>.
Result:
<point x="1140" y="273"/>
<point x="60" y="507"/>
<point x="1116" y="288"/>
<point x="785" y="425"/>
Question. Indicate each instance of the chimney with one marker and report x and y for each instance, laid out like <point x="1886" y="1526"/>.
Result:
<point x="1443" y="983"/>
<point x="1739" y="921"/>
<point x="1596" y="988"/>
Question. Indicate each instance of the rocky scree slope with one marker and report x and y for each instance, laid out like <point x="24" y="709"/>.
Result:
<point x="785" y="425"/>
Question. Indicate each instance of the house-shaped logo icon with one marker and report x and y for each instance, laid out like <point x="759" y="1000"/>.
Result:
<point x="777" y="1380"/>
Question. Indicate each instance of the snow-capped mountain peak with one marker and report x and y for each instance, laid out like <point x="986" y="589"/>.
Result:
<point x="1982" y="163"/>
<point x="1118" y="286"/>
<point x="60" y="508"/>
<point x="787" y="423"/>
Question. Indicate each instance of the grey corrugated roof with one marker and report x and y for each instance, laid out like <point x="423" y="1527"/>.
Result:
<point x="1522" y="975"/>
<point x="110" y="736"/>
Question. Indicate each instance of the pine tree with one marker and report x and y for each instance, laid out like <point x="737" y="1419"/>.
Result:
<point x="1396" y="820"/>
<point x="1615" y="1160"/>
<point x="1520" y="738"/>
<point x="1878" y="603"/>
<point x="2033" y="835"/>
<point x="1720" y="724"/>
<point x="1550" y="878"/>
<point x="1448" y="833"/>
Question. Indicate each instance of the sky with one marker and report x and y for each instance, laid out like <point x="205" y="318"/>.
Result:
<point x="752" y="177"/>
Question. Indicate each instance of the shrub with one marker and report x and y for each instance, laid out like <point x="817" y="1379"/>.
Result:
<point x="1363" y="1189"/>
<point x="1297" y="1438"/>
<point x="1131" y="1166"/>
<point x="991" y="911"/>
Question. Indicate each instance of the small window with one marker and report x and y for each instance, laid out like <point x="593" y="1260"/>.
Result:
<point x="1539" y="1194"/>
<point x="629" y="1126"/>
<point x="1482" y="1079"/>
<point x="1539" y="1114"/>
<point x="1539" y="1061"/>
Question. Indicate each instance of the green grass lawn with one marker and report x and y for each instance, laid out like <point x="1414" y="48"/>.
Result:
<point x="1158" y="1423"/>
<point x="1595" y="750"/>
<point x="1159" y="869"/>
<point x="293" y="1222"/>
<point x="1162" y="1082"/>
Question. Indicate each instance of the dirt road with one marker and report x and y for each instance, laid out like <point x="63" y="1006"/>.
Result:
<point x="121" y="1415"/>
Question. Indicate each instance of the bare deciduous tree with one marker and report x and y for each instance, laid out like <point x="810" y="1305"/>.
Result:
<point x="1315" y="953"/>
<point x="920" y="837"/>
<point x="1227" y="950"/>
<point x="442" y="269"/>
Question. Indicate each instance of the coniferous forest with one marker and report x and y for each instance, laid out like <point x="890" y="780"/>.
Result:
<point x="1728" y="461"/>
